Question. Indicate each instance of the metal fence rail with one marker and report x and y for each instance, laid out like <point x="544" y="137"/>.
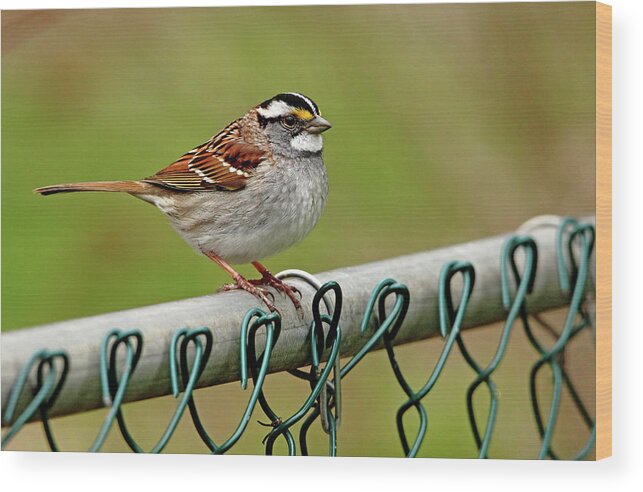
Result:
<point x="152" y="351"/>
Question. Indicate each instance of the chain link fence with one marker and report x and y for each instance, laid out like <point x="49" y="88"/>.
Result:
<point x="33" y="387"/>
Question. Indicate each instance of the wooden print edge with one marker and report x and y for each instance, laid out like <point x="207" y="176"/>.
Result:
<point x="603" y="231"/>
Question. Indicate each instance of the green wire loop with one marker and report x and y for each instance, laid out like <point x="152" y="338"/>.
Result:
<point x="253" y="320"/>
<point x="573" y="285"/>
<point x="181" y="339"/>
<point x="525" y="282"/>
<point x="47" y="389"/>
<point x="451" y="320"/>
<point x="318" y="379"/>
<point x="283" y="427"/>
<point x="45" y="393"/>
<point x="385" y="325"/>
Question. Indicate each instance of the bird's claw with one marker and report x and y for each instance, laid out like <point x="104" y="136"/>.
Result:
<point x="260" y="293"/>
<point x="288" y="290"/>
<point x="255" y="287"/>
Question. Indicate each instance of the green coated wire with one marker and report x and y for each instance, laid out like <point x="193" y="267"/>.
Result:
<point x="326" y="400"/>
<point x="41" y="402"/>
<point x="525" y="285"/>
<point x="552" y="359"/>
<point x="46" y="391"/>
<point x="563" y="274"/>
<point x="282" y="427"/>
<point x="385" y="325"/>
<point x="316" y="375"/>
<point x="451" y="320"/>
<point x="115" y="399"/>
<point x="180" y="341"/>
<point x="109" y="348"/>
<point x="332" y="400"/>
<point x="274" y="418"/>
<point x="106" y="362"/>
<point x="318" y="381"/>
<point x="49" y="402"/>
<point x="253" y="320"/>
<point x="580" y="406"/>
<point x="586" y="234"/>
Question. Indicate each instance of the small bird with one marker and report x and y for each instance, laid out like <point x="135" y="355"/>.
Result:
<point x="252" y="190"/>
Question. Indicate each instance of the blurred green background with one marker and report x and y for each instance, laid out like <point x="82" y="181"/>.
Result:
<point x="451" y="122"/>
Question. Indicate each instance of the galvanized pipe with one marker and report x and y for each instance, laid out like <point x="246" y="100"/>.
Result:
<point x="223" y="313"/>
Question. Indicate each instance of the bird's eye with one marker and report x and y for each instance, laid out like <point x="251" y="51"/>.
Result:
<point x="289" y="121"/>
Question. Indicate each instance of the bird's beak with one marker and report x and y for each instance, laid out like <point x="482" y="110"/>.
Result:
<point x="317" y="125"/>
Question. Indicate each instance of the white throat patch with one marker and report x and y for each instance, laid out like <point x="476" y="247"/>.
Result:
<point x="307" y="142"/>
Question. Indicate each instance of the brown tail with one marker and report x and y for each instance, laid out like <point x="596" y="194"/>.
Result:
<point x="112" y="186"/>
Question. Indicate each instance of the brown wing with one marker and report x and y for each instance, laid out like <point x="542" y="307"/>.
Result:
<point x="224" y="162"/>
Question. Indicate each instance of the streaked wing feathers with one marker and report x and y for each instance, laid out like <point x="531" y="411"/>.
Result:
<point x="224" y="162"/>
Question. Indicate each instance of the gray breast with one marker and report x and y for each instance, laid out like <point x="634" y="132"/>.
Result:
<point x="280" y="205"/>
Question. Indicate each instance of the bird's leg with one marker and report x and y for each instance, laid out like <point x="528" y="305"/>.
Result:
<point x="269" y="279"/>
<point x="242" y="283"/>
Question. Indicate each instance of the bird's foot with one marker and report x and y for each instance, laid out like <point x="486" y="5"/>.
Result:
<point x="291" y="292"/>
<point x="249" y="286"/>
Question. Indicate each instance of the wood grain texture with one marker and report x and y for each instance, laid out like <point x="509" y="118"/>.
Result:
<point x="604" y="231"/>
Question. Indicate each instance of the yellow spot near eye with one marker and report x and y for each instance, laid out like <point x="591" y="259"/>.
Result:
<point x="303" y="114"/>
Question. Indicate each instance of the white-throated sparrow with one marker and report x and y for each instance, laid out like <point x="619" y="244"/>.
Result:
<point x="255" y="188"/>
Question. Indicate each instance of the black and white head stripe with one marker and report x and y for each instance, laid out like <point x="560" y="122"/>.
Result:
<point x="284" y="103"/>
<point x="309" y="103"/>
